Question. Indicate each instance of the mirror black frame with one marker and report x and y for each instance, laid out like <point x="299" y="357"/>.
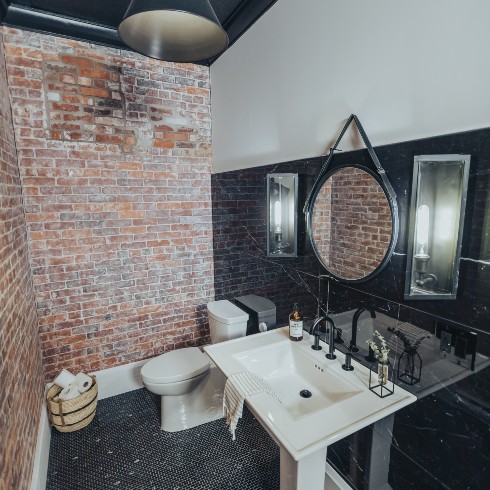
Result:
<point x="395" y="223"/>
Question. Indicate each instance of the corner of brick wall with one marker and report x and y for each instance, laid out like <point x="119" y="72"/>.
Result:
<point x="21" y="378"/>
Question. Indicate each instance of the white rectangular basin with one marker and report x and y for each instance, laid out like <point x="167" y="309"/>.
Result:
<point x="290" y="371"/>
<point x="341" y="402"/>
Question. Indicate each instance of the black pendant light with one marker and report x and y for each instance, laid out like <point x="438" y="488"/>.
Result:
<point x="173" y="30"/>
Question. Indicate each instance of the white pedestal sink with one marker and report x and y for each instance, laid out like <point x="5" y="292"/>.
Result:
<point x="340" y="403"/>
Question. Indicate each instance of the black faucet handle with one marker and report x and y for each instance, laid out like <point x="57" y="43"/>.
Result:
<point x="370" y="357"/>
<point x="316" y="345"/>
<point x="331" y="339"/>
<point x="338" y="337"/>
<point x="347" y="366"/>
<point x="353" y="347"/>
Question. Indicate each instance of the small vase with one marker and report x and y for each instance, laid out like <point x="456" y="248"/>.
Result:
<point x="381" y="378"/>
<point x="410" y="366"/>
<point x="383" y="372"/>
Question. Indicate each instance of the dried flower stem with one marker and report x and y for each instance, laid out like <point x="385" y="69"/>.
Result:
<point x="380" y="353"/>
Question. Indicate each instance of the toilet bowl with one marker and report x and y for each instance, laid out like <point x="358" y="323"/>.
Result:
<point x="176" y="373"/>
<point x="188" y="382"/>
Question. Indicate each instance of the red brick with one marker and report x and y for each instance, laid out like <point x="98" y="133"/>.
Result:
<point x="74" y="60"/>
<point x="163" y="144"/>
<point x="95" y="74"/>
<point x="106" y="138"/>
<point x="97" y="92"/>
<point x="197" y="91"/>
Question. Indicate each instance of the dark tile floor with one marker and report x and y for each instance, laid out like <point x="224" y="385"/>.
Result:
<point x="125" y="448"/>
<point x="440" y="442"/>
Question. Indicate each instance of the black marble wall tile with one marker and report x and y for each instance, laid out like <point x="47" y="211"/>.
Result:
<point x="472" y="305"/>
<point x="343" y="297"/>
<point x="445" y="436"/>
<point x="350" y="458"/>
<point x="239" y="229"/>
<point x="451" y="421"/>
<point x="443" y="430"/>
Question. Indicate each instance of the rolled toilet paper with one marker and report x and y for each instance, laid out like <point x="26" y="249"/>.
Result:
<point x="82" y="382"/>
<point x="69" y="393"/>
<point x="64" y="379"/>
<point x="263" y="326"/>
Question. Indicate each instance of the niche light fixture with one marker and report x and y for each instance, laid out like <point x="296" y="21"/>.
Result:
<point x="438" y="203"/>
<point x="173" y="30"/>
<point x="282" y="199"/>
<point x="421" y="257"/>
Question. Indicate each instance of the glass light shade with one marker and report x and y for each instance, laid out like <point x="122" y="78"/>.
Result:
<point x="282" y="198"/>
<point x="277" y="215"/>
<point x="436" y="226"/>
<point x="422" y="228"/>
<point x="173" y="30"/>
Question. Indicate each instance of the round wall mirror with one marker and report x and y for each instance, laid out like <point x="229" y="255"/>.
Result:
<point x="351" y="223"/>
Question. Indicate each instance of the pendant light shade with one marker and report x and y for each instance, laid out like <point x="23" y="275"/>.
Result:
<point x="173" y="30"/>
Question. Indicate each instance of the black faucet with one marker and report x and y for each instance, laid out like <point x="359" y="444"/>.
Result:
<point x="316" y="323"/>
<point x="331" y="334"/>
<point x="352" y="345"/>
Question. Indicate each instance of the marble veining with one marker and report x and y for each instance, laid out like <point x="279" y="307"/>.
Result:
<point x="484" y="262"/>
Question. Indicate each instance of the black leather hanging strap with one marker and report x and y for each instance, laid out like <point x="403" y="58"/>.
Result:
<point x="370" y="150"/>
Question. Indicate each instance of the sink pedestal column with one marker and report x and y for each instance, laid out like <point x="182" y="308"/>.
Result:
<point x="307" y="474"/>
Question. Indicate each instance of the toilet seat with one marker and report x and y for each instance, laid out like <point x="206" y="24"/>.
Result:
<point x="175" y="366"/>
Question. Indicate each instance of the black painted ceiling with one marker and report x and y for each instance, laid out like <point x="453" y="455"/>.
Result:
<point x="97" y="20"/>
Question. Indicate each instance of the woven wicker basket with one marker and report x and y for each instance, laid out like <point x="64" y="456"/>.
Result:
<point x="72" y="415"/>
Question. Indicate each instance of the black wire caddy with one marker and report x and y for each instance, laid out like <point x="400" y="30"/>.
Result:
<point x="409" y="367"/>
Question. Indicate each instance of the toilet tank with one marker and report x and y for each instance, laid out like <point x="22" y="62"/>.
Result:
<point x="226" y="321"/>
<point x="260" y="310"/>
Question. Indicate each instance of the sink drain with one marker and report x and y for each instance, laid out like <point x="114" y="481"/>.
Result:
<point x="305" y="393"/>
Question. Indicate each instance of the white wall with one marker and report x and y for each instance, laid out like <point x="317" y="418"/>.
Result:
<point x="408" y="69"/>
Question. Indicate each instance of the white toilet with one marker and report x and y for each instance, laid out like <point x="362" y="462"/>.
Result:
<point x="190" y="384"/>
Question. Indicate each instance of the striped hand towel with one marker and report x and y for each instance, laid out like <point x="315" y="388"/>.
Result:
<point x="238" y="387"/>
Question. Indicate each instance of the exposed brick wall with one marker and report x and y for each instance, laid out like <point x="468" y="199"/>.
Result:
<point x="114" y="153"/>
<point x="21" y="380"/>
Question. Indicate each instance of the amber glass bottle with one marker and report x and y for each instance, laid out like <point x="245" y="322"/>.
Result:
<point x="295" y="324"/>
